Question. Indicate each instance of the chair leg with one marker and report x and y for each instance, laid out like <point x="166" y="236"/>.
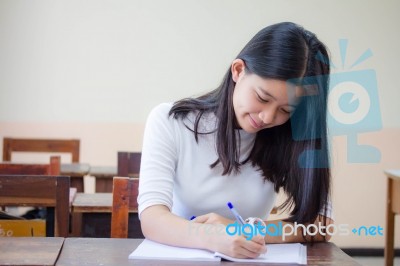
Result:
<point x="389" y="236"/>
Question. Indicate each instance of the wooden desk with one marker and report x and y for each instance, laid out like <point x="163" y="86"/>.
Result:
<point x="104" y="177"/>
<point x="76" y="171"/>
<point x="94" y="213"/>
<point x="392" y="208"/>
<point x="103" y="174"/>
<point x="328" y="254"/>
<point x="115" y="251"/>
<point x="30" y="250"/>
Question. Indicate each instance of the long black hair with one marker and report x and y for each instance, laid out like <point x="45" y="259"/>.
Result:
<point x="293" y="156"/>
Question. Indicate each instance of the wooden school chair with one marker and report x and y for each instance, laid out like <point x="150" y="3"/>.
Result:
<point x="392" y="208"/>
<point x="125" y="192"/>
<point x="53" y="168"/>
<point x="39" y="190"/>
<point x="129" y="164"/>
<point x="40" y="145"/>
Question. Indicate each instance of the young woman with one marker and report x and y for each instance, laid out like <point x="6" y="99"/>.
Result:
<point x="261" y="130"/>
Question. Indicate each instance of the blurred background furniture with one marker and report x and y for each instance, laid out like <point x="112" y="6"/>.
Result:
<point x="96" y="210"/>
<point x="53" y="168"/>
<point x="11" y="145"/>
<point x="42" y="191"/>
<point x="129" y="164"/>
<point x="392" y="208"/>
<point x="75" y="170"/>
<point x="103" y="177"/>
<point x="125" y="193"/>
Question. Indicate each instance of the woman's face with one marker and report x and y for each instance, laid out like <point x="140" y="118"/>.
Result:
<point x="260" y="103"/>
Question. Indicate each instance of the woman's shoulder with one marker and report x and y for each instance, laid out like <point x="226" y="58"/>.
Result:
<point x="159" y="115"/>
<point x="160" y="112"/>
<point x="161" y="109"/>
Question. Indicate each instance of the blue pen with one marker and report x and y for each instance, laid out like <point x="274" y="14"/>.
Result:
<point x="237" y="215"/>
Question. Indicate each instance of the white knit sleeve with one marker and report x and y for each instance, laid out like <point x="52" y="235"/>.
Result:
<point x="158" y="162"/>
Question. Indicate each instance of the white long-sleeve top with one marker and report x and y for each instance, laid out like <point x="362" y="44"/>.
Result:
<point x="175" y="170"/>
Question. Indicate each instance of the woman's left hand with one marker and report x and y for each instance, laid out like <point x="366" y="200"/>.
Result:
<point x="212" y="218"/>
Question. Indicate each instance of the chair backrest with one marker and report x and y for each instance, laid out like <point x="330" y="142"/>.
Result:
<point x="41" y="191"/>
<point x="129" y="164"/>
<point x="53" y="168"/>
<point x="125" y="192"/>
<point x="40" y="145"/>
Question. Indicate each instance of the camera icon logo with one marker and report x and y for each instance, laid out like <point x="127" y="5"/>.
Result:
<point x="353" y="109"/>
<point x="349" y="103"/>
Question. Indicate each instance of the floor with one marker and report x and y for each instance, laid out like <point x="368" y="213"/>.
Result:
<point x="375" y="261"/>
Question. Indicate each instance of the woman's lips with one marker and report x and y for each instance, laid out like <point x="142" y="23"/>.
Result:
<point x="254" y="123"/>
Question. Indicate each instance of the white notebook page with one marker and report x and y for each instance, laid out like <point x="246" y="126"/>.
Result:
<point x="276" y="253"/>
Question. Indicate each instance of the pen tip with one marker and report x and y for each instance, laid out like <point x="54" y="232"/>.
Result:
<point x="230" y="205"/>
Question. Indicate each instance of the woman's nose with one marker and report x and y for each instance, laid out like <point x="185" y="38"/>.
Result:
<point x="267" y="116"/>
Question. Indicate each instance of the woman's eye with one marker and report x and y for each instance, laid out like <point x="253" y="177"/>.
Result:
<point x="261" y="99"/>
<point x="286" y="111"/>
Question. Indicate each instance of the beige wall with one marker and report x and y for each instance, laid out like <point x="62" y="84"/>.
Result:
<point x="94" y="69"/>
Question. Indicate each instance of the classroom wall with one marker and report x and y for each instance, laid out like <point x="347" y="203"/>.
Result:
<point x="94" y="69"/>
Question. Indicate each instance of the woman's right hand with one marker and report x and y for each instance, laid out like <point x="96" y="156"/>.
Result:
<point x="232" y="245"/>
<point x="207" y="232"/>
<point x="238" y="246"/>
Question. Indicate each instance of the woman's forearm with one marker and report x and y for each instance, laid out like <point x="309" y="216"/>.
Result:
<point x="205" y="232"/>
<point x="160" y="225"/>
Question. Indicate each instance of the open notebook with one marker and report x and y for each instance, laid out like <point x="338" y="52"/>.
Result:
<point x="276" y="253"/>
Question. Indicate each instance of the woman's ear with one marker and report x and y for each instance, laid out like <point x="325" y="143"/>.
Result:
<point x="237" y="69"/>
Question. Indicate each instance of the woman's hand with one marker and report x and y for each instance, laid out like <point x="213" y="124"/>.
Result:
<point x="239" y="246"/>
<point x="232" y="245"/>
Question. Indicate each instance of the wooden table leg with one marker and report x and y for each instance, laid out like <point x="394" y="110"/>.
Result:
<point x="389" y="236"/>
<point x="76" y="224"/>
